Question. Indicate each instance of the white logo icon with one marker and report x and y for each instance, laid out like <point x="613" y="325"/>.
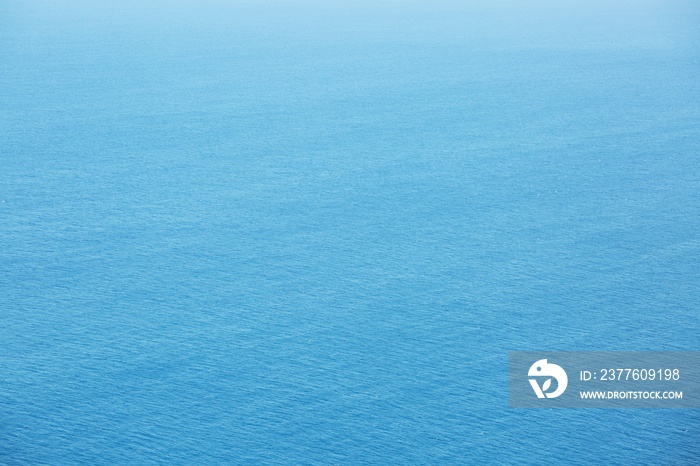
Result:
<point x="543" y="369"/>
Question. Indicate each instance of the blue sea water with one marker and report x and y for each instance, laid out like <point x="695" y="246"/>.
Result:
<point x="286" y="232"/>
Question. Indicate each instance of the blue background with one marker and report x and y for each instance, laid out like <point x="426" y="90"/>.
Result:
<point x="308" y="233"/>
